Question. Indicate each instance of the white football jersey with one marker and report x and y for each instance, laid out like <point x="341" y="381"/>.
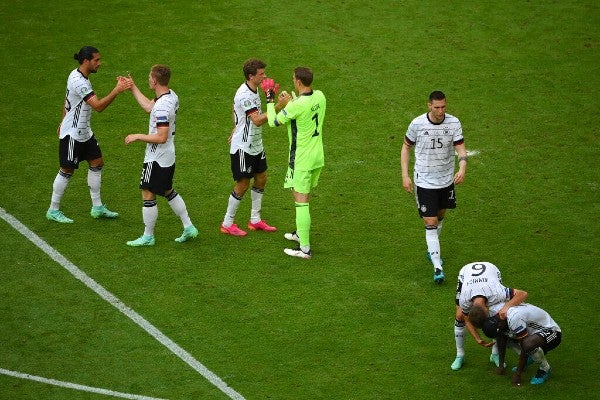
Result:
<point x="434" y="150"/>
<point x="246" y="136"/>
<point x="480" y="279"/>
<point x="527" y="318"/>
<point x="76" y="122"/>
<point x="163" y="113"/>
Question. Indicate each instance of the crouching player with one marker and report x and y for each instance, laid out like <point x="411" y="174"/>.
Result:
<point x="535" y="332"/>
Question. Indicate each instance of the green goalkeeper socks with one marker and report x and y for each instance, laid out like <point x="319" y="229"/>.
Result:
<point x="303" y="224"/>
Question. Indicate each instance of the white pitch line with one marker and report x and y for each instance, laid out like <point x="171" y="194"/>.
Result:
<point x="118" y="304"/>
<point x="75" y="386"/>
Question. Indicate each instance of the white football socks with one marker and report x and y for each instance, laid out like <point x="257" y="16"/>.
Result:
<point x="58" y="189"/>
<point x="149" y="215"/>
<point x="232" y="206"/>
<point x="257" y="196"/>
<point x="94" y="180"/>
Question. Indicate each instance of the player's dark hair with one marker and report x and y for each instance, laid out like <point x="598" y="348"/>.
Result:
<point x="478" y="315"/>
<point x="436" y="95"/>
<point x="252" y="66"/>
<point x="492" y="327"/>
<point x="162" y="74"/>
<point x="86" y="53"/>
<point x="304" y="75"/>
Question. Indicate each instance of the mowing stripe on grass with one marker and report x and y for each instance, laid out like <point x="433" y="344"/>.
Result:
<point x="75" y="386"/>
<point x="118" y="304"/>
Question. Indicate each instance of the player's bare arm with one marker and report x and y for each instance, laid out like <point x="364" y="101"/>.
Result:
<point x="258" y="119"/>
<point x="475" y="333"/>
<point x="101" y="104"/>
<point x="64" y="112"/>
<point x="404" y="160"/>
<point x="461" y="150"/>
<point x="519" y="296"/>
<point x="160" y="137"/>
<point x="516" y="378"/>
<point x="144" y="102"/>
<point x="231" y="136"/>
<point x="525" y="349"/>
<point x="501" y="341"/>
<point x="232" y="130"/>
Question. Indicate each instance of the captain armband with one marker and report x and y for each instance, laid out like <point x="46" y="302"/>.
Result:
<point x="462" y="159"/>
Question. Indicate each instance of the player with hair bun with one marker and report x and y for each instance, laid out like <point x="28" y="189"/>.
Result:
<point x="77" y="140"/>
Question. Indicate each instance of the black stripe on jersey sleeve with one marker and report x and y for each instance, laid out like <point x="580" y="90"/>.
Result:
<point x="89" y="95"/>
<point x="511" y="293"/>
<point x="251" y="111"/>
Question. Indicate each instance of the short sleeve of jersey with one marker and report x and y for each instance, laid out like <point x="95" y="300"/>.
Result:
<point x="516" y="322"/>
<point x="248" y="105"/>
<point x="83" y="88"/>
<point x="411" y="133"/>
<point x="458" y="133"/>
<point x="162" y="117"/>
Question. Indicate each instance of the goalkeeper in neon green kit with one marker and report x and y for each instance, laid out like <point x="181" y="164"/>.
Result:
<point x="304" y="115"/>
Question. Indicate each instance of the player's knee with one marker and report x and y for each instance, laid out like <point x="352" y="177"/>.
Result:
<point x="531" y="343"/>
<point x="241" y="187"/>
<point x="459" y="316"/>
<point x="66" y="172"/>
<point x="170" y="195"/>
<point x="260" y="180"/>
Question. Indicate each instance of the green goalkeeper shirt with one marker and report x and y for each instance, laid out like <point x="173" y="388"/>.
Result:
<point x="304" y="117"/>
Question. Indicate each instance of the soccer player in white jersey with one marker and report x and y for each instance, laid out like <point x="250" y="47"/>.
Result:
<point x="159" y="160"/>
<point x="435" y="137"/>
<point x="534" y="330"/>
<point x="479" y="286"/>
<point x="77" y="141"/>
<point x="248" y="158"/>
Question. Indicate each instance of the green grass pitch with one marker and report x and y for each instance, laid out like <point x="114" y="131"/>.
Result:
<point x="362" y="319"/>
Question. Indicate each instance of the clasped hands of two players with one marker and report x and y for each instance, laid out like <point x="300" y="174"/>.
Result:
<point x="124" y="83"/>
